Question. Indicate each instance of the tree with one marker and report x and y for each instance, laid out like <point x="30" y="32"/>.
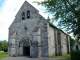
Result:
<point x="72" y="41"/>
<point x="0" y="45"/>
<point x="5" y="46"/>
<point x="67" y="12"/>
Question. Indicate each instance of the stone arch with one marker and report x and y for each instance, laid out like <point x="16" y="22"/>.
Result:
<point x="24" y="46"/>
<point x="23" y="40"/>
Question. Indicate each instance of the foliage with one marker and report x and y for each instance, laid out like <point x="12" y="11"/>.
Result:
<point x="64" y="56"/>
<point x="75" y="55"/>
<point x="72" y="41"/>
<point x="67" y="12"/>
<point x="4" y="46"/>
<point x="3" y="54"/>
<point x="0" y="45"/>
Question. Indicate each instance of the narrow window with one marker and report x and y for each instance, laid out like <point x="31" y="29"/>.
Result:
<point x="77" y="47"/>
<point x="23" y="15"/>
<point x="25" y="28"/>
<point x="28" y="14"/>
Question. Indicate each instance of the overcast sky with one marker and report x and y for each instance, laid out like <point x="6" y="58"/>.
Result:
<point x="8" y="10"/>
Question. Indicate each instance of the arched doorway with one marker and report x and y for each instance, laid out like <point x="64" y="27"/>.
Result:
<point x="26" y="49"/>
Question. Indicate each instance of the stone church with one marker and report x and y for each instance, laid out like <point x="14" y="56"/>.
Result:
<point x="30" y="34"/>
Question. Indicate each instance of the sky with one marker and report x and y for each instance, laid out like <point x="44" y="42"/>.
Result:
<point x="8" y="10"/>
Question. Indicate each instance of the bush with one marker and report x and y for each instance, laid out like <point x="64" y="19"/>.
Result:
<point x="75" y="55"/>
<point x="15" y="55"/>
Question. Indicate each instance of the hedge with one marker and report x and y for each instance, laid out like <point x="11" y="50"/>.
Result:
<point x="75" y="55"/>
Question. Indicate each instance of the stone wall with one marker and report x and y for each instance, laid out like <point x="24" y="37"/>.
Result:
<point x="34" y="13"/>
<point x="28" y="28"/>
<point x="58" y="42"/>
<point x="44" y="39"/>
<point x="51" y="41"/>
<point x="63" y="43"/>
<point x="21" y="32"/>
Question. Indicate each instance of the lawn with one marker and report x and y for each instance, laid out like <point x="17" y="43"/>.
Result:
<point x="64" y="56"/>
<point x="3" y="54"/>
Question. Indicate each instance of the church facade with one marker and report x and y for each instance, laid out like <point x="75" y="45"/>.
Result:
<point x="30" y="34"/>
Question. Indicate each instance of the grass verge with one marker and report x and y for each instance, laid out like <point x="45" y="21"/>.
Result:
<point x="3" y="54"/>
<point x="64" y="56"/>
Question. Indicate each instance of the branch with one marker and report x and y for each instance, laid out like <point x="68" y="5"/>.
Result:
<point x="71" y="7"/>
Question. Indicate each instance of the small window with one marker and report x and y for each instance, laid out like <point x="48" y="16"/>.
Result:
<point x="77" y="47"/>
<point x="23" y="15"/>
<point x="28" y="14"/>
<point x="25" y="28"/>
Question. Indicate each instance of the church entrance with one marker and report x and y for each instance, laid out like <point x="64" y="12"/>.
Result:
<point x="26" y="49"/>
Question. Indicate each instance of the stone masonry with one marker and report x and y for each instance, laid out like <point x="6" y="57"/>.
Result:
<point x="30" y="34"/>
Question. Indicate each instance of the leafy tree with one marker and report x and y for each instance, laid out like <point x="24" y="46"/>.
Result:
<point x="5" y="46"/>
<point x="72" y="41"/>
<point x="0" y="45"/>
<point x="67" y="12"/>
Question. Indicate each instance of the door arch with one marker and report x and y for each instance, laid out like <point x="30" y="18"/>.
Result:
<point x="24" y="45"/>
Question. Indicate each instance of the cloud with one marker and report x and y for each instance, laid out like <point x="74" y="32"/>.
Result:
<point x="7" y="14"/>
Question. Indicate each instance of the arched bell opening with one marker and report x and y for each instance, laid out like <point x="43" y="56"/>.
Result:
<point x="23" y="15"/>
<point x="28" y="14"/>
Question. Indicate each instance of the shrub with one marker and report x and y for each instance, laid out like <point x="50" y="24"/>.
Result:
<point x="15" y="55"/>
<point x="75" y="55"/>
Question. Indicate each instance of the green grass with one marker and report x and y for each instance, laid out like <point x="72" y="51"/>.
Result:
<point x="64" y="56"/>
<point x="3" y="54"/>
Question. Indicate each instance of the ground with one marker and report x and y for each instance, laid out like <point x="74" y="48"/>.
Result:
<point x="25" y="58"/>
<point x="4" y="56"/>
